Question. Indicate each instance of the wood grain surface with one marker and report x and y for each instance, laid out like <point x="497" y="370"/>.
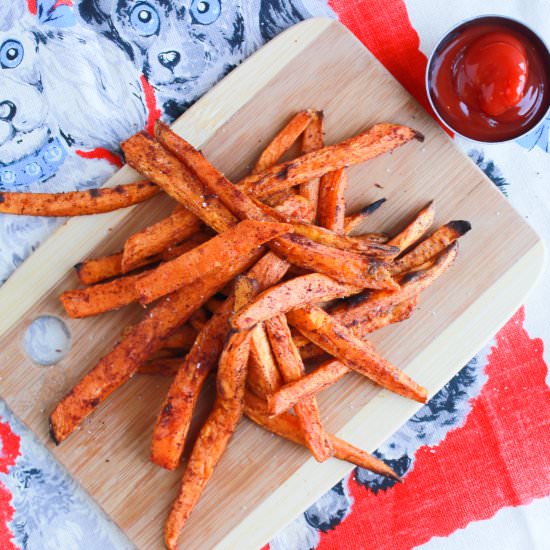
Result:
<point x="262" y="481"/>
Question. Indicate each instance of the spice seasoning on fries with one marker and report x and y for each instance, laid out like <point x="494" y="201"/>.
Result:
<point x="309" y="290"/>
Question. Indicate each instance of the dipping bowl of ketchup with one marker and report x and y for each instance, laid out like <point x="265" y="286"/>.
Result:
<point x="488" y="79"/>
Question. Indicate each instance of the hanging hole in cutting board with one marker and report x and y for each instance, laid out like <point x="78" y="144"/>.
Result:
<point x="47" y="340"/>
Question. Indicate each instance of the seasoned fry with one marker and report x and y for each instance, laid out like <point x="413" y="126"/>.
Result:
<point x="239" y="203"/>
<point x="431" y="247"/>
<point x="379" y="139"/>
<point x="165" y="366"/>
<point x="319" y="327"/>
<point x="287" y="425"/>
<point x="219" y="426"/>
<point x="95" y="270"/>
<point x="175" y="414"/>
<point x="369" y="304"/>
<point x="214" y="304"/>
<point x="119" y="365"/>
<point x="224" y="249"/>
<point x="312" y="140"/>
<point x="346" y="267"/>
<point x="380" y="238"/>
<point x="77" y="203"/>
<point x="213" y="437"/>
<point x="306" y="387"/>
<point x="331" y="209"/>
<point x="100" y="298"/>
<point x="291" y="368"/>
<point x="182" y="339"/>
<point x="342" y="265"/>
<point x="192" y="242"/>
<point x="289" y="295"/>
<point x="332" y="370"/>
<point x="352" y="222"/>
<point x="283" y="141"/>
<point x="173" y="421"/>
<point x="298" y="208"/>
<point x="395" y="314"/>
<point x="147" y="156"/>
<point x="268" y="271"/>
<point x="263" y="376"/>
<point x="414" y="231"/>
<point x="157" y="238"/>
<point x="199" y="319"/>
<point x="364" y="245"/>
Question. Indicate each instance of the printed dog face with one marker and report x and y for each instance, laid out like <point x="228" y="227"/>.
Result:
<point x="22" y="128"/>
<point x="57" y="84"/>
<point x="184" y="46"/>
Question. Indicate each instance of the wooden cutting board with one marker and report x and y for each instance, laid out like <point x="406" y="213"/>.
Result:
<point x="263" y="482"/>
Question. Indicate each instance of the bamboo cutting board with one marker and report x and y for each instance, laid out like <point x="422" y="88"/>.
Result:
<point x="262" y="481"/>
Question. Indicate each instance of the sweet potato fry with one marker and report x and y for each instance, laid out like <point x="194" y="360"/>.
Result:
<point x="77" y="203"/>
<point x="430" y="247"/>
<point x="331" y="370"/>
<point x="322" y="329"/>
<point x="291" y="368"/>
<point x="175" y="414"/>
<point x="306" y="387"/>
<point x="95" y="270"/>
<point x="177" y="343"/>
<point x="219" y="426"/>
<point x="380" y="238"/>
<point x="214" y="304"/>
<point x="173" y="421"/>
<point x="287" y="425"/>
<point x="379" y="139"/>
<point x="182" y="339"/>
<point x="263" y="376"/>
<point x="354" y="221"/>
<point x="367" y="305"/>
<point x="298" y="208"/>
<point x="192" y="242"/>
<point x="223" y="249"/>
<point x="239" y="203"/>
<point x="362" y="327"/>
<point x="331" y="209"/>
<point x="347" y="267"/>
<point x="166" y="366"/>
<point x="147" y="156"/>
<point x="342" y="265"/>
<point x="395" y="314"/>
<point x="118" y="366"/>
<point x="268" y="271"/>
<point x="283" y="141"/>
<point x="199" y="319"/>
<point x="312" y="140"/>
<point x="355" y="244"/>
<point x="354" y="269"/>
<point x="414" y="231"/>
<point x="100" y="298"/>
<point x="289" y="295"/>
<point x="157" y="238"/>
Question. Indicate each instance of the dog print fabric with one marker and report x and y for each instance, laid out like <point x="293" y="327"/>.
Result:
<point x="78" y="78"/>
<point x="474" y="459"/>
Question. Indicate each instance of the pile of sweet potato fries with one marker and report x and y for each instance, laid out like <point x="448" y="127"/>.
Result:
<point x="256" y="279"/>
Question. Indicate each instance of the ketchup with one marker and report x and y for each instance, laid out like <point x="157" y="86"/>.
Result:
<point x="489" y="79"/>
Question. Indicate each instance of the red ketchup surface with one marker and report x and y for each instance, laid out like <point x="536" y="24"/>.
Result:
<point x="490" y="79"/>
